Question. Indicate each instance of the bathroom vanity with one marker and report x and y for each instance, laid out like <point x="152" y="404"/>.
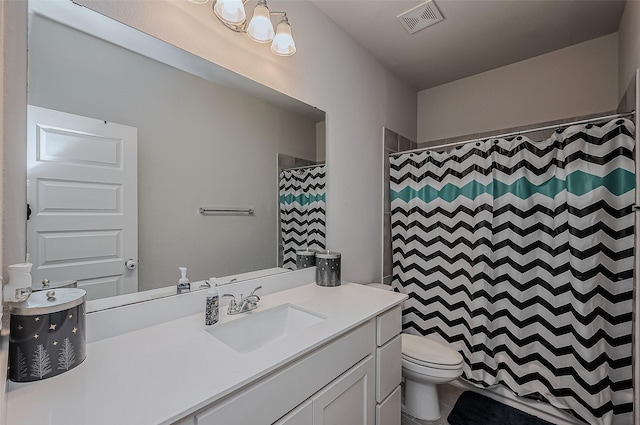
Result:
<point x="306" y="355"/>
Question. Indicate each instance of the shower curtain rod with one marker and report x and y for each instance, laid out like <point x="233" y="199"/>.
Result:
<point x="301" y="168"/>
<point x="517" y="133"/>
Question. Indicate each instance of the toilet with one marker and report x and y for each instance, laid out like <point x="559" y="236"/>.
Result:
<point x="425" y="364"/>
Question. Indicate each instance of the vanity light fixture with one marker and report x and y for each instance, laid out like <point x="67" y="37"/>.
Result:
<point x="260" y="28"/>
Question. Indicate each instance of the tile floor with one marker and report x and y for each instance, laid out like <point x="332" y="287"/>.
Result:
<point x="448" y="394"/>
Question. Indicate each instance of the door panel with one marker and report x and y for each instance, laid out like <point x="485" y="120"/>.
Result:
<point x="82" y="189"/>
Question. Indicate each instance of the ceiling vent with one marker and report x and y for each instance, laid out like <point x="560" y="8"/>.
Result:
<point x="420" y="17"/>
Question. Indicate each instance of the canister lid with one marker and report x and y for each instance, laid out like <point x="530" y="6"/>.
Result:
<point x="327" y="254"/>
<point x="306" y="253"/>
<point x="45" y="302"/>
<point x="47" y="284"/>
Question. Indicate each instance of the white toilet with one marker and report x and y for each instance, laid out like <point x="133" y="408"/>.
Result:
<point x="425" y="364"/>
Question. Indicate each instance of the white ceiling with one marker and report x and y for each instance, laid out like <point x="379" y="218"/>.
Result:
<point x="475" y="36"/>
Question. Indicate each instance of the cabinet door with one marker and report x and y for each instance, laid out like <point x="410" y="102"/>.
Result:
<point x="350" y="399"/>
<point x="301" y="415"/>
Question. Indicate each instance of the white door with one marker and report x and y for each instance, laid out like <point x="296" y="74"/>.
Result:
<point x="82" y="192"/>
<point x="350" y="399"/>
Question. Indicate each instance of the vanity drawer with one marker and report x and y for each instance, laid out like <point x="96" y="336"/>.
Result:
<point x="389" y="411"/>
<point x="388" y="325"/>
<point x="388" y="368"/>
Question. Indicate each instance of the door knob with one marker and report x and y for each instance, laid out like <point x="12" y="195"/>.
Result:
<point x="130" y="264"/>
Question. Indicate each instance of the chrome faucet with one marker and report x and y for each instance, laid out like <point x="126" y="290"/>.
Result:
<point x="246" y="303"/>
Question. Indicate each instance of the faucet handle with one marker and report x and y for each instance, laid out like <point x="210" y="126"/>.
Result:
<point x="233" y="299"/>
<point x="256" y="289"/>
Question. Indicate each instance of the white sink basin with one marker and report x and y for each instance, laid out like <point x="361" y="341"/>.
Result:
<point x="259" y="328"/>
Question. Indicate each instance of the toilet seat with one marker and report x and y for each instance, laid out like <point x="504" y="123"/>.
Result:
<point x="429" y="353"/>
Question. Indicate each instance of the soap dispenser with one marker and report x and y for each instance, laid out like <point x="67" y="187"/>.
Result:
<point x="183" y="284"/>
<point x="19" y="286"/>
<point x="212" y="308"/>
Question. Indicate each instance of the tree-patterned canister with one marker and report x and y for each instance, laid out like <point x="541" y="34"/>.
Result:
<point x="47" y="334"/>
<point x="328" y="268"/>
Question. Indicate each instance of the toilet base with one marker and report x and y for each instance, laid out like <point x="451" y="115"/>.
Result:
<point x="421" y="400"/>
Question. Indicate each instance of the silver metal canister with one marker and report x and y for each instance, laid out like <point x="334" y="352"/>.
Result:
<point x="328" y="268"/>
<point x="47" y="284"/>
<point x="47" y="334"/>
<point x="305" y="259"/>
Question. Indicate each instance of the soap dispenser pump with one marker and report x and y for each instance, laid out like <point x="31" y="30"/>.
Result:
<point x="183" y="282"/>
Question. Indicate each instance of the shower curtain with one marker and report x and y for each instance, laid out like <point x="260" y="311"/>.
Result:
<point x="519" y="254"/>
<point x="302" y="211"/>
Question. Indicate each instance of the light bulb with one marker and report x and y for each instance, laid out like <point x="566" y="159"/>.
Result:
<point x="230" y="11"/>
<point x="283" y="44"/>
<point x="260" y="27"/>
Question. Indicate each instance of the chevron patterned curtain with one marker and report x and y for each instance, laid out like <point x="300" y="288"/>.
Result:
<point x="302" y="212"/>
<point x="519" y="254"/>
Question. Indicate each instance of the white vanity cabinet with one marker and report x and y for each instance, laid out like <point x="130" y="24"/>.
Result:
<point x="349" y="381"/>
<point x="342" y="370"/>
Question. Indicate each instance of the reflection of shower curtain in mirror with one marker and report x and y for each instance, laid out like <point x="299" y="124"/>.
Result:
<point x="302" y="211"/>
<point x="520" y="255"/>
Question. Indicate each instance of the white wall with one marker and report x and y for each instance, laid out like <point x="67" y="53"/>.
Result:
<point x="574" y="81"/>
<point x="198" y="144"/>
<point x="629" y="48"/>
<point x="330" y="71"/>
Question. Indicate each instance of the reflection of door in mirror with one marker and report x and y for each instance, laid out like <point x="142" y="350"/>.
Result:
<point x="82" y="191"/>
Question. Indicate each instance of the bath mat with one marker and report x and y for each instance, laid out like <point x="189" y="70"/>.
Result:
<point x="475" y="409"/>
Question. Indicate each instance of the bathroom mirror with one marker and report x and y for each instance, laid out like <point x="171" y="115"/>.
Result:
<point x="206" y="138"/>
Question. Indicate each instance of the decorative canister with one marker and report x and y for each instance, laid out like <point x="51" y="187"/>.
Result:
<point x="47" y="284"/>
<point x="305" y="259"/>
<point x="328" y="268"/>
<point x="47" y="334"/>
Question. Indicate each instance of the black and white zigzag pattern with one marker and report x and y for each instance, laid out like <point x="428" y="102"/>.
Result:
<point x="520" y="255"/>
<point x="302" y="211"/>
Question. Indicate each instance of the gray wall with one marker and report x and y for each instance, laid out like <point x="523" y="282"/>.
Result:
<point x="198" y="144"/>
<point x="575" y="81"/>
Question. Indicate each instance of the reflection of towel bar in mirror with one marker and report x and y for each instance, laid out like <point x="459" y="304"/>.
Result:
<point x="226" y="210"/>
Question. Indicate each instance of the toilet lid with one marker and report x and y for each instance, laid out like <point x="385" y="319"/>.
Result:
<point x="427" y="351"/>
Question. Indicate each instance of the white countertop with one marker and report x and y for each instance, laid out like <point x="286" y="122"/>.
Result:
<point x="159" y="374"/>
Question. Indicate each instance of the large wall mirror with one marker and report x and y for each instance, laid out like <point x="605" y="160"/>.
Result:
<point x="202" y="137"/>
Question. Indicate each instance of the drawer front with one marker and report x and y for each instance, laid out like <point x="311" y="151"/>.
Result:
<point x="275" y="395"/>
<point x="388" y="325"/>
<point x="388" y="368"/>
<point x="389" y="411"/>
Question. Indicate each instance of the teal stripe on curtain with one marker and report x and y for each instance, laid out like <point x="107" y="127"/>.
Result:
<point x="302" y="199"/>
<point x="618" y="182"/>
